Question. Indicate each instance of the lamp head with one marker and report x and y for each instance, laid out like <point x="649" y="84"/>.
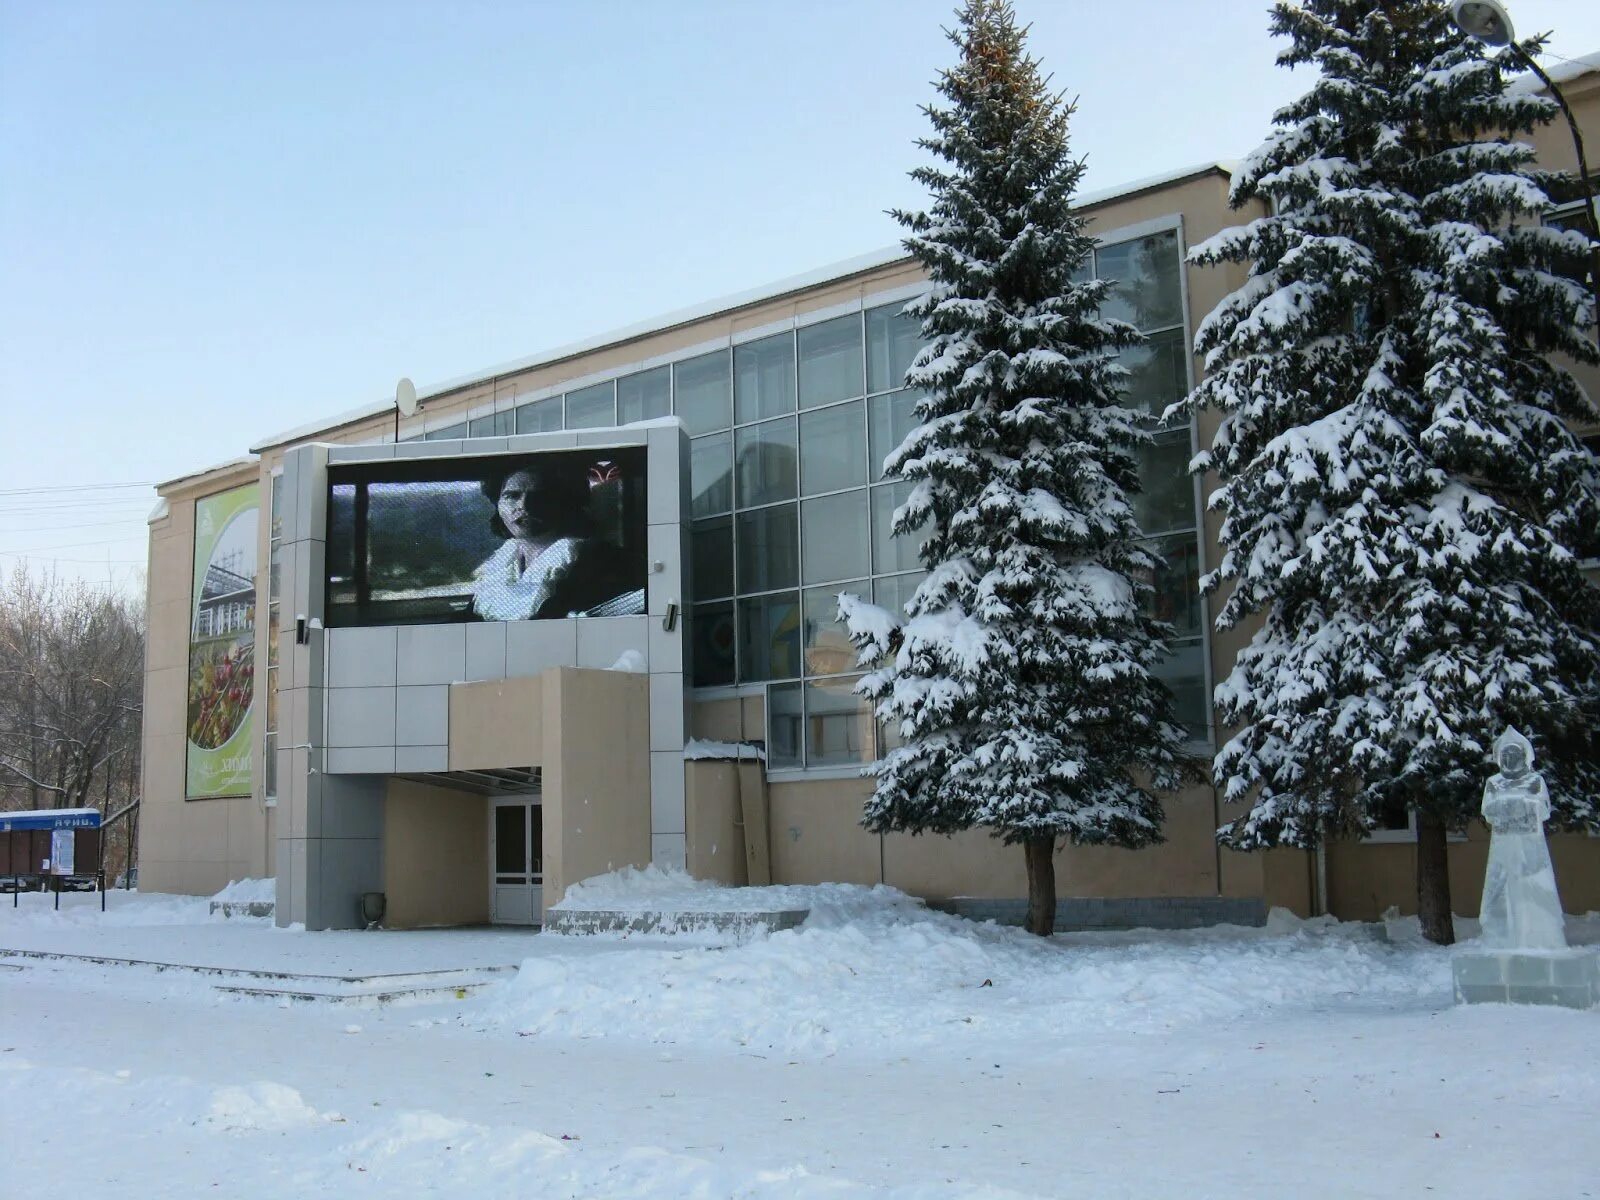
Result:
<point x="1483" y="20"/>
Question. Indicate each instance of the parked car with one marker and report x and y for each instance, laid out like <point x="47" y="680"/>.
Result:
<point x="19" y="883"/>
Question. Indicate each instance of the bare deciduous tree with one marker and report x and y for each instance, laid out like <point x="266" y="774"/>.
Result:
<point x="71" y="681"/>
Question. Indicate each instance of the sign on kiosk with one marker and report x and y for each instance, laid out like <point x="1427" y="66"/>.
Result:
<point x="62" y="851"/>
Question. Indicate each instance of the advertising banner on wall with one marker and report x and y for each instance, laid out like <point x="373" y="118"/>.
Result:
<point x="222" y="644"/>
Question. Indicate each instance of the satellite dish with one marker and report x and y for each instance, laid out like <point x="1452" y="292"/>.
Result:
<point x="405" y="397"/>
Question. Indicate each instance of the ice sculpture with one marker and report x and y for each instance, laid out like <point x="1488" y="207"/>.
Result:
<point x="1521" y="908"/>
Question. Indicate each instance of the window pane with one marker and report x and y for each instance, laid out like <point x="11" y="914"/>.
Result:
<point x="1175" y="586"/>
<point x="889" y="553"/>
<point x="1184" y="671"/>
<point x="833" y="450"/>
<point x="764" y="462"/>
<point x="1147" y="292"/>
<point x="272" y="698"/>
<point x="827" y="646"/>
<point x="894" y="591"/>
<point x="701" y="392"/>
<point x="481" y="426"/>
<point x="275" y="530"/>
<point x="536" y="836"/>
<point x="890" y="418"/>
<point x="838" y="723"/>
<point x="830" y="361"/>
<point x="275" y="572"/>
<point x="763" y="378"/>
<point x="591" y="407"/>
<point x="269" y="786"/>
<point x="1166" y="500"/>
<point x="768" y="549"/>
<point x="712" y="557"/>
<point x="510" y="839"/>
<point x="1394" y="816"/>
<point x="644" y="396"/>
<point x="710" y="475"/>
<point x="539" y="416"/>
<point x="711" y="636"/>
<point x="769" y="637"/>
<point x="833" y="530"/>
<point x="272" y="636"/>
<point x="1157" y="372"/>
<point x="783" y="725"/>
<point x="446" y="433"/>
<point x="892" y="342"/>
<point x="341" y="545"/>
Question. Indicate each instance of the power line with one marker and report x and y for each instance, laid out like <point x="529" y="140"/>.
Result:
<point x="58" y="559"/>
<point x="66" y="545"/>
<point x="79" y="525"/>
<point x="73" y="487"/>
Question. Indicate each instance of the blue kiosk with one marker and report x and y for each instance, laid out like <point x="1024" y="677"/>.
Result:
<point x="48" y="845"/>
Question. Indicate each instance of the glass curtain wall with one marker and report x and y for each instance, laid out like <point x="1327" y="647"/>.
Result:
<point x="790" y="509"/>
<point x="790" y="504"/>
<point x="1149" y="295"/>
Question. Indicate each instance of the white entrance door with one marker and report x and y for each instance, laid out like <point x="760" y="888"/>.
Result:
<point x="516" y="858"/>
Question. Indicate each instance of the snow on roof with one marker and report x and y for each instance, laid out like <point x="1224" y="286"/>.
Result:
<point x="324" y="424"/>
<point x="671" y="320"/>
<point x="246" y="460"/>
<point x="831" y="273"/>
<point x="696" y="749"/>
<point x="1563" y="71"/>
<point x="1088" y="199"/>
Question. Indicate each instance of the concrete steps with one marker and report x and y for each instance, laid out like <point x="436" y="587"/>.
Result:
<point x="307" y="987"/>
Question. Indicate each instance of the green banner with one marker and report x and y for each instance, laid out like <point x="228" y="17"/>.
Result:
<point x="222" y="644"/>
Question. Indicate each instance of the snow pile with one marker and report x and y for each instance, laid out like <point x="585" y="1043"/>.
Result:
<point x="279" y="1145"/>
<point x="1581" y="930"/>
<point x="123" y="909"/>
<point x="872" y="970"/>
<point x="248" y="891"/>
<point x="668" y="889"/>
<point x="265" y="1106"/>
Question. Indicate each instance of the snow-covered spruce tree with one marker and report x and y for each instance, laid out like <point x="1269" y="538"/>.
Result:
<point x="1020" y="681"/>
<point x="1403" y="507"/>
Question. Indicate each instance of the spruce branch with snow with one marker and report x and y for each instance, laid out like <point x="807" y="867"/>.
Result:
<point x="1021" y="681"/>
<point x="1404" y="504"/>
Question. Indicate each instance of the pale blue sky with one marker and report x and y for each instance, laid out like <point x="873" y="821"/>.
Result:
<point x="218" y="221"/>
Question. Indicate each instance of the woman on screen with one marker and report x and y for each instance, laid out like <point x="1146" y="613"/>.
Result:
<point x="552" y="563"/>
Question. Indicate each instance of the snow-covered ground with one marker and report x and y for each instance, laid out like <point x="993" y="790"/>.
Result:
<point x="880" y="1050"/>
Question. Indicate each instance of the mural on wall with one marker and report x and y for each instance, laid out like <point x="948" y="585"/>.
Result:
<point x="222" y="644"/>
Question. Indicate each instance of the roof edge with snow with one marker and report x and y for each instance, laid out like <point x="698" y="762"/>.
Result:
<point x="221" y="468"/>
<point x="1561" y="72"/>
<point x="831" y="273"/>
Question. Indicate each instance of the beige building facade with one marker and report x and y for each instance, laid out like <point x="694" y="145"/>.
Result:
<point x="472" y="771"/>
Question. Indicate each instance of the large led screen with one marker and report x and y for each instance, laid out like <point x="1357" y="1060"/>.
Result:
<point x="222" y="644"/>
<point x="522" y="537"/>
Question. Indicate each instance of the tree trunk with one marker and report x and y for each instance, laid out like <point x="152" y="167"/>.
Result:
<point x="1040" y="852"/>
<point x="1433" y="881"/>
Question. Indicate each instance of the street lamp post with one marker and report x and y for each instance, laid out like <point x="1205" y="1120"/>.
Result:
<point x="1488" y="22"/>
